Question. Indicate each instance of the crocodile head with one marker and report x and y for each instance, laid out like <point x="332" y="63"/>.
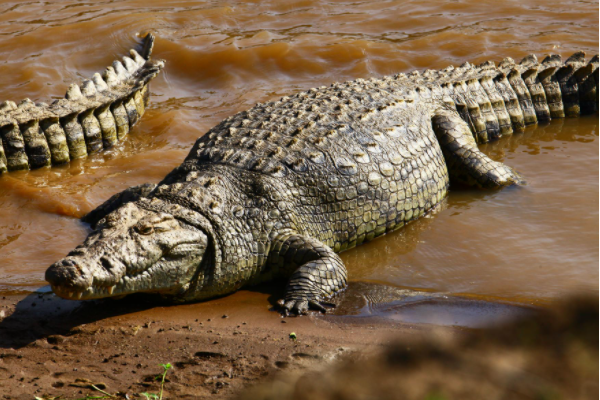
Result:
<point x="131" y="250"/>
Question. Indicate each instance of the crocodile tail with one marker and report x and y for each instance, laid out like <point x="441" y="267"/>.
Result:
<point x="92" y="116"/>
<point x="499" y="100"/>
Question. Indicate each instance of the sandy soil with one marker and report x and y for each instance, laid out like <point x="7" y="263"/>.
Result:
<point x="51" y="347"/>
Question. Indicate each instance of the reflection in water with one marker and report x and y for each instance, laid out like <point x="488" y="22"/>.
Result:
<point x="368" y="300"/>
<point x="542" y="138"/>
<point x="529" y="243"/>
<point x="384" y="251"/>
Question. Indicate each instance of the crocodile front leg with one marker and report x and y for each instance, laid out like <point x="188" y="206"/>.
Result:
<point x="316" y="272"/>
<point x="128" y="195"/>
<point x="466" y="164"/>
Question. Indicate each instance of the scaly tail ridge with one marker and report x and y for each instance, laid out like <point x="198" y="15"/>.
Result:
<point x="93" y="116"/>
<point x="498" y="100"/>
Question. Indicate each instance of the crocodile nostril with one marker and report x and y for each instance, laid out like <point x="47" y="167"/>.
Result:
<point x="77" y="252"/>
<point x="106" y="264"/>
<point x="69" y="263"/>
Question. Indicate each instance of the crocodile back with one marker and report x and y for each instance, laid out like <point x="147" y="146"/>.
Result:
<point x="354" y="160"/>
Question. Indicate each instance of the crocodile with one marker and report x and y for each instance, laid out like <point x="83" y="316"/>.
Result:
<point x="277" y="191"/>
<point x="88" y="119"/>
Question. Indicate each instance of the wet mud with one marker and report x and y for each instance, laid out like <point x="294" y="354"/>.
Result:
<point x="50" y="346"/>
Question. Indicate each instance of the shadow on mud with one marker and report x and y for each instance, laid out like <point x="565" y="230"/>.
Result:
<point x="42" y="314"/>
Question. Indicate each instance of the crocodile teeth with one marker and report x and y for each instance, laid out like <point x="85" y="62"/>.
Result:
<point x="78" y="295"/>
<point x="71" y="294"/>
<point x="111" y="289"/>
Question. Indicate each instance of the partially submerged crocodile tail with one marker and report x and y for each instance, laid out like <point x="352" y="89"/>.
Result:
<point x="499" y="100"/>
<point x="91" y="117"/>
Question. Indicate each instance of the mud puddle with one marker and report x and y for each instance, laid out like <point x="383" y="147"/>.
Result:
<point x="368" y="301"/>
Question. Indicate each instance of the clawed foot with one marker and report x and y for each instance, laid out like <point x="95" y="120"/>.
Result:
<point x="301" y="307"/>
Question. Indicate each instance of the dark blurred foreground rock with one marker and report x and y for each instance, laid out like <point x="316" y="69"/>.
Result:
<point x="551" y="356"/>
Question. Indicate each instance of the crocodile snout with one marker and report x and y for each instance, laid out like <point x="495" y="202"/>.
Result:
<point x="68" y="275"/>
<point x="132" y="251"/>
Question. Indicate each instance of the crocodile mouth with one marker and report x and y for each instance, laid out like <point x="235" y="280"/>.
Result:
<point x="157" y="278"/>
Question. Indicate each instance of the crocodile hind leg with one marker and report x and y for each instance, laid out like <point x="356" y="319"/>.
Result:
<point x="128" y="195"/>
<point x="466" y="164"/>
<point x="316" y="272"/>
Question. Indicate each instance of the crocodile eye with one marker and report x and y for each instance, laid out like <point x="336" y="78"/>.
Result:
<point x="145" y="230"/>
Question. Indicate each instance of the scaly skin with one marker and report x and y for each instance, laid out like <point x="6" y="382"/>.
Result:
<point x="89" y="119"/>
<point x="280" y="189"/>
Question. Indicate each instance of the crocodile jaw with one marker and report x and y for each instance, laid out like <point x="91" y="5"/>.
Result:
<point x="132" y="251"/>
<point x="164" y="277"/>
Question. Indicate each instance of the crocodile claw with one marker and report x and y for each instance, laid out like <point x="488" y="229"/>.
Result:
<point x="300" y="307"/>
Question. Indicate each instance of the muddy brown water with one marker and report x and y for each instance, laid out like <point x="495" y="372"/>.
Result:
<point x="526" y="245"/>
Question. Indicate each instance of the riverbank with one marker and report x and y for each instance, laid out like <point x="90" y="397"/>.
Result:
<point x="51" y="347"/>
